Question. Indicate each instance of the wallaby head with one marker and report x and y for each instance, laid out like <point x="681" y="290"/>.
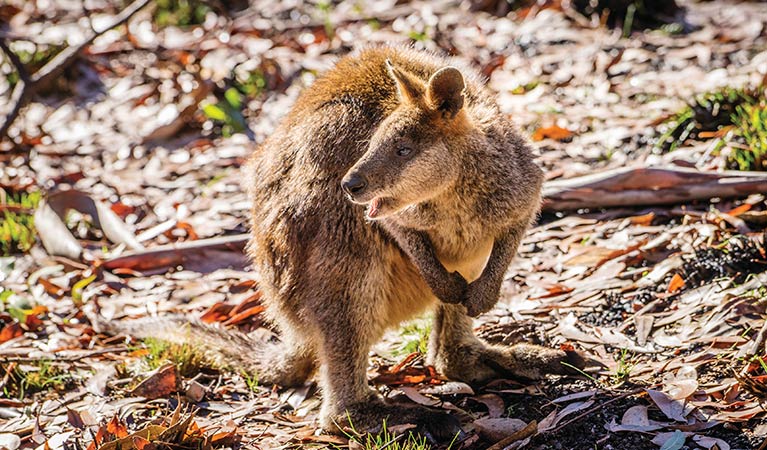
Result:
<point x="414" y="154"/>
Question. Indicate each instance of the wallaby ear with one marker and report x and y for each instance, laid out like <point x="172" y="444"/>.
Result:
<point x="445" y="91"/>
<point x="410" y="88"/>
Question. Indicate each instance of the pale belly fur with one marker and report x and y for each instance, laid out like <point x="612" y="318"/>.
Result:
<point x="472" y="262"/>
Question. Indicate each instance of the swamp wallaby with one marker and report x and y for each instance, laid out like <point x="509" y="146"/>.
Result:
<point x="394" y="186"/>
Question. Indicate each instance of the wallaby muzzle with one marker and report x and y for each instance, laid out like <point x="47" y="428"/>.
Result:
<point x="354" y="184"/>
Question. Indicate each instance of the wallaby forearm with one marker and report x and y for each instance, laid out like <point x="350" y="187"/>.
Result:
<point x="449" y="287"/>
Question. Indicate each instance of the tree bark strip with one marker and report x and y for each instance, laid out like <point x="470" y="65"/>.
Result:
<point x="643" y="186"/>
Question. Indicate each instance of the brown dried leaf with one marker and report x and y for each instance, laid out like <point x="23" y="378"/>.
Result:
<point x="10" y="331"/>
<point x="74" y="419"/>
<point x="161" y="383"/>
<point x="635" y="419"/>
<point x="676" y="283"/>
<point x="128" y="443"/>
<point x="754" y="385"/>
<point x="551" y="421"/>
<point x="448" y="388"/>
<point x="9" y="441"/>
<point x="683" y="384"/>
<point x="117" y="428"/>
<point x="553" y="132"/>
<point x="409" y="375"/>
<point x="495" y="405"/>
<point x="672" y="408"/>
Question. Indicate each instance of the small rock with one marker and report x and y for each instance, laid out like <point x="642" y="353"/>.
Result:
<point x="494" y="430"/>
<point x="195" y="391"/>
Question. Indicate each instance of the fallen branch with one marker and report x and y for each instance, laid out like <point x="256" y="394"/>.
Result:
<point x="649" y="186"/>
<point x="173" y="255"/>
<point x="28" y="85"/>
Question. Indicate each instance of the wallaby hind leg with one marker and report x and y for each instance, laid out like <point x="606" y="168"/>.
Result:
<point x="347" y="400"/>
<point x="458" y="354"/>
<point x="343" y="374"/>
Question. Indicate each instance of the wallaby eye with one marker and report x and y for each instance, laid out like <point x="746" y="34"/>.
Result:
<point x="404" y="151"/>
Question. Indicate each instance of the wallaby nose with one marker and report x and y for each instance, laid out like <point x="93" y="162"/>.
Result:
<point x="354" y="184"/>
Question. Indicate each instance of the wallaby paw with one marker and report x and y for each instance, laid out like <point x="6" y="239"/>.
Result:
<point x="480" y="297"/>
<point x="452" y="289"/>
<point x="369" y="417"/>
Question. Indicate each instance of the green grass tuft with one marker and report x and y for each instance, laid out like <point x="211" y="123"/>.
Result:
<point x="39" y="376"/>
<point x="251" y="380"/>
<point x="750" y="121"/>
<point x="186" y="358"/>
<point x="17" y="223"/>
<point x="736" y="116"/>
<point x="389" y="441"/>
<point x="624" y="368"/>
<point x="415" y="337"/>
<point x="180" y="13"/>
<point x="251" y="84"/>
<point x="227" y="112"/>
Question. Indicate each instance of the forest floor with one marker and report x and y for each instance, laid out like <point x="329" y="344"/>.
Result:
<point x="137" y="144"/>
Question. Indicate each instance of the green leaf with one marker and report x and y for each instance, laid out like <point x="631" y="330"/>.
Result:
<point x="214" y="112"/>
<point x="675" y="442"/>
<point x="17" y="313"/>
<point x="5" y="295"/>
<point x="77" y="289"/>
<point x="233" y="97"/>
<point x="237" y="122"/>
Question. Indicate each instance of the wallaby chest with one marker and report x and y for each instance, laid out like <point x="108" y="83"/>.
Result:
<point x="461" y="241"/>
<point x="465" y="256"/>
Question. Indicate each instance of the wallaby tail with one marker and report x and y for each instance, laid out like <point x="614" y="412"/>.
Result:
<point x="225" y="348"/>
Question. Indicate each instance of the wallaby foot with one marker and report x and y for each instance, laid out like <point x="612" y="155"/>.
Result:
<point x="458" y="354"/>
<point x="479" y="363"/>
<point x="369" y="417"/>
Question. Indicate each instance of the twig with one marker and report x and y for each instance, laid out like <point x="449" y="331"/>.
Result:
<point x="28" y="85"/>
<point x="21" y="69"/>
<point x="16" y="209"/>
<point x="7" y="376"/>
<point x="21" y="91"/>
<point x="72" y="358"/>
<point x="530" y="430"/>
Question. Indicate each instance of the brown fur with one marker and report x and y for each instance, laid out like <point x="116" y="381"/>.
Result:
<point x="450" y="215"/>
<point x="334" y="281"/>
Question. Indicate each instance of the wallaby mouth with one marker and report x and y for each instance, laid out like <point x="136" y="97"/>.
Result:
<point x="374" y="207"/>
